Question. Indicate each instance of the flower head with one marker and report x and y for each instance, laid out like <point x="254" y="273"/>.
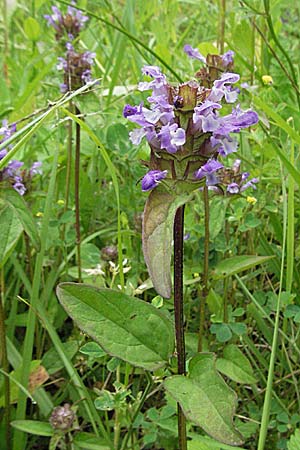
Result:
<point x="69" y="24"/>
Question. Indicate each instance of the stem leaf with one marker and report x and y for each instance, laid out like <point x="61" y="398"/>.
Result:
<point x="159" y="214"/>
<point x="205" y="399"/>
<point x="235" y="365"/>
<point x="124" y="326"/>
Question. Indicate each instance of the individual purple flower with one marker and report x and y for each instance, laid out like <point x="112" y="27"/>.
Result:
<point x="152" y="179"/>
<point x="171" y="137"/>
<point x="194" y="53"/>
<point x="129" y="110"/>
<point x="158" y="83"/>
<point x="227" y="58"/>
<point x="205" y="118"/>
<point x="19" y="187"/>
<point x="224" y="144"/>
<point x="209" y="170"/>
<point x="233" y="188"/>
<point x="35" y="169"/>
<point x="250" y="184"/>
<point x="222" y="88"/>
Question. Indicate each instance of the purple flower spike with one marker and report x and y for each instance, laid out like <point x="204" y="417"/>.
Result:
<point x="208" y="170"/>
<point x="152" y="179"/>
<point x="193" y="53"/>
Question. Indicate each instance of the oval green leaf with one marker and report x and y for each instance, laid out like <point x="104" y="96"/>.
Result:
<point x="124" y="326"/>
<point x="206" y="400"/>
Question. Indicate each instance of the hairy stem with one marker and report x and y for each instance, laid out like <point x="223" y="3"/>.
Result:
<point x="77" y="202"/>
<point x="178" y="310"/>
<point x="204" y="290"/>
<point x="4" y="364"/>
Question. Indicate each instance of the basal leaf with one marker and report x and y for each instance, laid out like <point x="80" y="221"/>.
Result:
<point x="235" y="365"/>
<point x="237" y="264"/>
<point x="206" y="400"/>
<point x="158" y="223"/>
<point x="124" y="326"/>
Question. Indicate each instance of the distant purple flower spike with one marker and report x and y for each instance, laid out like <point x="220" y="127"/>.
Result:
<point x="152" y="179"/>
<point x="208" y="170"/>
<point x="194" y="53"/>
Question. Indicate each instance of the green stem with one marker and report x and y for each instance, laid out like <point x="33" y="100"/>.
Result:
<point x="4" y="363"/>
<point x="222" y="25"/>
<point x="178" y="311"/>
<point x="5" y="39"/>
<point x="138" y="409"/>
<point x="204" y="291"/>
<point x="268" y="395"/>
<point x="77" y="200"/>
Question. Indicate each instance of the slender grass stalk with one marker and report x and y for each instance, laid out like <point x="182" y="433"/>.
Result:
<point x="141" y="403"/>
<point x="4" y="363"/>
<point x="268" y="395"/>
<point x="19" y="438"/>
<point x="178" y="311"/>
<point x="290" y="244"/>
<point x="222" y="25"/>
<point x="117" y="425"/>
<point x="77" y="199"/>
<point x="204" y="291"/>
<point x="5" y="41"/>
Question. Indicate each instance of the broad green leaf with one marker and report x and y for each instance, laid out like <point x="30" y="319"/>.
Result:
<point x="124" y="326"/>
<point x="199" y="442"/>
<point x="88" y="441"/>
<point x="235" y="365"/>
<point x="21" y="211"/>
<point x="294" y="442"/>
<point x="158" y="224"/>
<point x="33" y="427"/>
<point x="11" y="230"/>
<point x="205" y="399"/>
<point x="237" y="264"/>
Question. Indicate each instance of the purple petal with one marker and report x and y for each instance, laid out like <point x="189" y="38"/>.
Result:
<point x="193" y="53"/>
<point x="152" y="179"/>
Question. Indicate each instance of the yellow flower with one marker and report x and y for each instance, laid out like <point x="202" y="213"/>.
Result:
<point x="267" y="79"/>
<point x="251" y="200"/>
<point x="60" y="202"/>
<point x="39" y="214"/>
